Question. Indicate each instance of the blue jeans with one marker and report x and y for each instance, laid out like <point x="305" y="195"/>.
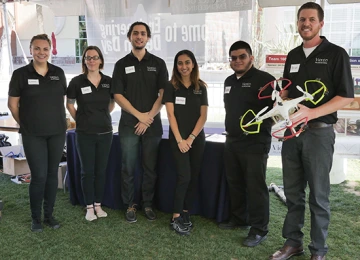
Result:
<point x="93" y="150"/>
<point x="130" y="144"/>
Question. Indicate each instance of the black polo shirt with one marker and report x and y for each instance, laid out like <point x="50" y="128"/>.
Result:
<point x="328" y="63"/>
<point x="139" y="82"/>
<point x="92" y="115"/>
<point x="240" y="95"/>
<point x="41" y="110"/>
<point x="187" y="103"/>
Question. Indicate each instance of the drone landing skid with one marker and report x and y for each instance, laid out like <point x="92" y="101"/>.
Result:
<point x="294" y="133"/>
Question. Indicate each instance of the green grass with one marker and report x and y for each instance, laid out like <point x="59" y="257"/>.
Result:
<point x="113" y="238"/>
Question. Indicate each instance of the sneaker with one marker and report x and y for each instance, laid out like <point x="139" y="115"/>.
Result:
<point x="177" y="224"/>
<point x="51" y="222"/>
<point x="130" y="214"/>
<point x="100" y="213"/>
<point x="90" y="214"/>
<point x="253" y="240"/>
<point x="149" y="213"/>
<point x="36" y="225"/>
<point x="186" y="217"/>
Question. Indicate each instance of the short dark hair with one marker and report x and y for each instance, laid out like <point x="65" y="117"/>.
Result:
<point x="240" y="45"/>
<point x="139" y="23"/>
<point x="40" y="37"/>
<point x="311" y="5"/>
<point x="95" y="48"/>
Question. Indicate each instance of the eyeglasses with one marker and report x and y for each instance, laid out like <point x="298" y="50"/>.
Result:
<point x="240" y="57"/>
<point x="88" y="58"/>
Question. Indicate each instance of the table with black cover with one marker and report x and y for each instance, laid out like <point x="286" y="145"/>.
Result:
<point x="212" y="199"/>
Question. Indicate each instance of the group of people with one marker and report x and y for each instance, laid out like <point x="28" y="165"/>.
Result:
<point x="140" y="86"/>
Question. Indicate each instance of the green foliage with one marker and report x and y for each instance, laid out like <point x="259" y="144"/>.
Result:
<point x="113" y="238"/>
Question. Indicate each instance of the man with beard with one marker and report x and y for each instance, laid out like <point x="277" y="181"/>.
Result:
<point x="246" y="154"/>
<point x="137" y="84"/>
<point x="307" y="159"/>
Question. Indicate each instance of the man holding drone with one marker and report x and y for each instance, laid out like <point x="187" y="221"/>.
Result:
<point x="307" y="159"/>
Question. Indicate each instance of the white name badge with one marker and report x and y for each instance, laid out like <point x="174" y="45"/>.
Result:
<point x="180" y="100"/>
<point x="33" y="81"/>
<point x="130" y="69"/>
<point x="86" y="90"/>
<point x="227" y="89"/>
<point x="294" y="68"/>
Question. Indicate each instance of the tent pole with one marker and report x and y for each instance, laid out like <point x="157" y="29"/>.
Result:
<point x="7" y="36"/>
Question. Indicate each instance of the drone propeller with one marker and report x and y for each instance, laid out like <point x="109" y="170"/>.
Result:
<point x="257" y="115"/>
<point x="307" y="95"/>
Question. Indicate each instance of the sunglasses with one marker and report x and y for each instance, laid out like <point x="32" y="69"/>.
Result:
<point x="88" y="58"/>
<point x="240" y="57"/>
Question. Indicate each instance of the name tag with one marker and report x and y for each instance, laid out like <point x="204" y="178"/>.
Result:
<point x="33" y="81"/>
<point x="227" y="89"/>
<point x="105" y="85"/>
<point x="180" y="100"/>
<point x="130" y="69"/>
<point x="294" y="68"/>
<point x="86" y="90"/>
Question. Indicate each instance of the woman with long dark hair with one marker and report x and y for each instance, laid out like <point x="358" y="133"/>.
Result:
<point x="186" y="102"/>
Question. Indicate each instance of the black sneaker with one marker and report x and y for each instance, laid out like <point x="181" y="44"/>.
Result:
<point x="149" y="213"/>
<point x="177" y="224"/>
<point x="36" y="225"/>
<point x="186" y="217"/>
<point x="52" y="222"/>
<point x="253" y="240"/>
<point x="130" y="214"/>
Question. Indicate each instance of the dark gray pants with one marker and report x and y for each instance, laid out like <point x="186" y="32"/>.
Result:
<point x="93" y="150"/>
<point x="130" y="149"/>
<point x="307" y="160"/>
<point x="43" y="154"/>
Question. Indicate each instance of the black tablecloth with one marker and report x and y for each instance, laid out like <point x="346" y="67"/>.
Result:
<point x="212" y="198"/>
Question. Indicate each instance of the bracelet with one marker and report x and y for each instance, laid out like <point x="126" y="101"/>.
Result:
<point x="180" y="141"/>
<point x="192" y="136"/>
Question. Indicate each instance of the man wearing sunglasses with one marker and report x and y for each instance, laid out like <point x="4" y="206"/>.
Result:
<point x="246" y="154"/>
<point x="138" y="84"/>
<point x="307" y="159"/>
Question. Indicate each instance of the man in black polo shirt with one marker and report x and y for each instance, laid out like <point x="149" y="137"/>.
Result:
<point x="137" y="84"/>
<point x="246" y="155"/>
<point x="307" y="159"/>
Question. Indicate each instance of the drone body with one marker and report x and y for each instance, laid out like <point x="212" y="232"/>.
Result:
<point x="280" y="112"/>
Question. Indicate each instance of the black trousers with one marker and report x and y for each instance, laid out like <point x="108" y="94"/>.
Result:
<point x="93" y="150"/>
<point x="307" y="160"/>
<point x="43" y="154"/>
<point x="188" y="166"/>
<point x="249" y="195"/>
<point x="130" y="149"/>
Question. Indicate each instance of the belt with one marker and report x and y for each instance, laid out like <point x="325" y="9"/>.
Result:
<point x="313" y="125"/>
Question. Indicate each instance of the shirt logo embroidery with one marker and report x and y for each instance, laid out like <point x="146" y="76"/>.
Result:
<point x="151" y="68"/>
<point x="246" y="85"/>
<point x="321" y="61"/>
<point x="54" y="78"/>
<point x="105" y="85"/>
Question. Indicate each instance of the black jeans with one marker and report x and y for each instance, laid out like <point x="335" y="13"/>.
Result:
<point x="188" y="166"/>
<point x="249" y="195"/>
<point x="43" y="154"/>
<point x="307" y="160"/>
<point x="93" y="150"/>
<point x="130" y="149"/>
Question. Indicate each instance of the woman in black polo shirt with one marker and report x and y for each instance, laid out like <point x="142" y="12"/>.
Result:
<point x="36" y="101"/>
<point x="91" y="91"/>
<point x="185" y="98"/>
